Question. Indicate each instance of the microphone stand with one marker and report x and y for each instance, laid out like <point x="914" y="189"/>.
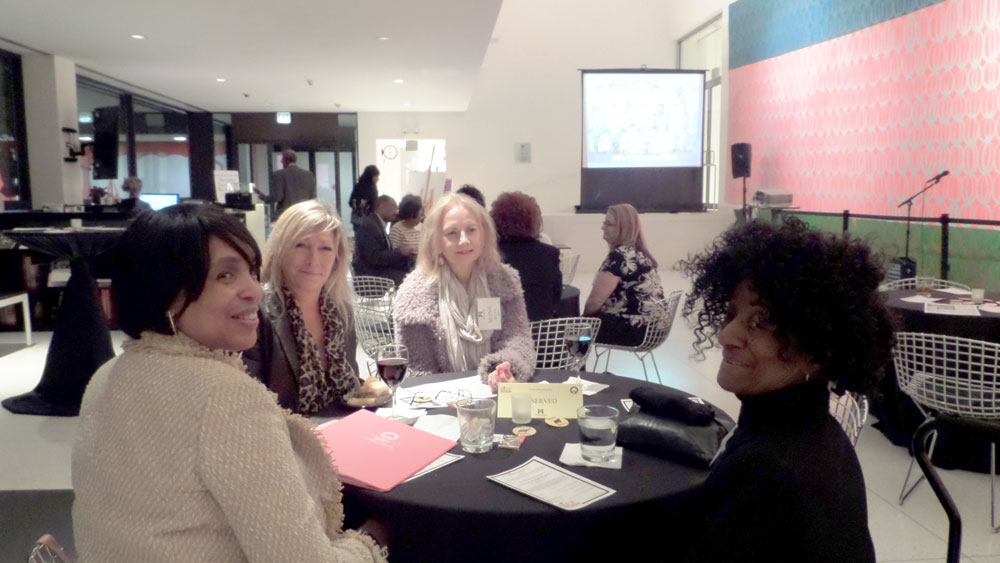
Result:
<point x="909" y="206"/>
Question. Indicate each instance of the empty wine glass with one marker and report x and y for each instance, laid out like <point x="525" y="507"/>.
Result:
<point x="391" y="361"/>
<point x="578" y="340"/>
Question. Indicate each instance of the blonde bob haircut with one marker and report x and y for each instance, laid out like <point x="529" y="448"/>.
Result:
<point x="429" y="256"/>
<point x="296" y="223"/>
<point x="629" y="229"/>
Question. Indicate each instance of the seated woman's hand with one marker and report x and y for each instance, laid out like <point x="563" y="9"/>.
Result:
<point x="501" y="374"/>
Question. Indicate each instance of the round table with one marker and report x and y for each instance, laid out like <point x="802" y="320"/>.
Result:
<point x="898" y="415"/>
<point x="81" y="342"/>
<point x="455" y="513"/>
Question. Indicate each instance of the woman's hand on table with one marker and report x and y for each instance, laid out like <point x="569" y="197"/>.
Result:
<point x="501" y="374"/>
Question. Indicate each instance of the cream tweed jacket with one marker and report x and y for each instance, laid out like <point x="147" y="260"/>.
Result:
<point x="181" y="456"/>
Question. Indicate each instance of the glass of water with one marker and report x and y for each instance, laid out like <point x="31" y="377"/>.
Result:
<point x="598" y="432"/>
<point x="476" y="420"/>
<point x="578" y="340"/>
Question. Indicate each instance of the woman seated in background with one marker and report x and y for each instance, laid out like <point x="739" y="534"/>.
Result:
<point x="405" y="231"/>
<point x="796" y="312"/>
<point x="627" y="285"/>
<point x="306" y="345"/>
<point x="458" y="274"/>
<point x="518" y="220"/>
<point x="181" y="456"/>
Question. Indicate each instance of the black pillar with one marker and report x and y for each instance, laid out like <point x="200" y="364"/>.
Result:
<point x="201" y="155"/>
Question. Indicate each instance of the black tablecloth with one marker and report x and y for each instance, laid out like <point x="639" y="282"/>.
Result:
<point x="898" y="415"/>
<point x="81" y="342"/>
<point x="455" y="513"/>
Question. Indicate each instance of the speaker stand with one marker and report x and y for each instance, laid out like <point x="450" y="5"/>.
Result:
<point x="746" y="216"/>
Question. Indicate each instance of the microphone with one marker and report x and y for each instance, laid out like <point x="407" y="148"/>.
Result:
<point x="938" y="177"/>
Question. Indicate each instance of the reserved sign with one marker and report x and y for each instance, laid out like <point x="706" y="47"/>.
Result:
<point x="547" y="399"/>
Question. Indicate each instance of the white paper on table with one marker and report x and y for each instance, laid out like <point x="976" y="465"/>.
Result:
<point x="552" y="484"/>
<point x="571" y="455"/>
<point x="437" y="464"/>
<point x="990" y="308"/>
<point x="444" y="392"/>
<point x="955" y="291"/>
<point x="589" y="387"/>
<point x="961" y="309"/>
<point x="402" y="411"/>
<point x="444" y="425"/>
<point x="920" y="299"/>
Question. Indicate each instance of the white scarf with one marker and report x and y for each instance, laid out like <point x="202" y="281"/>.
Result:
<point x="466" y="343"/>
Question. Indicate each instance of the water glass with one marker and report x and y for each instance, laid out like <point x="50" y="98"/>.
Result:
<point x="598" y="432"/>
<point x="578" y="339"/>
<point x="520" y="407"/>
<point x="476" y="421"/>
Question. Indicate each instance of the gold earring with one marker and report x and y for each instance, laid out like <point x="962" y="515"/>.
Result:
<point x="170" y="319"/>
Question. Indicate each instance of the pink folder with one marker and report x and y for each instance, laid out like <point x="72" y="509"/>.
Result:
<point x="374" y="452"/>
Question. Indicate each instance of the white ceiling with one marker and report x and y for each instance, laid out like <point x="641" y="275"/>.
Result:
<point x="271" y="49"/>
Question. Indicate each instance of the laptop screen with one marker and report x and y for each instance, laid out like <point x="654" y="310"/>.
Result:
<point x="159" y="201"/>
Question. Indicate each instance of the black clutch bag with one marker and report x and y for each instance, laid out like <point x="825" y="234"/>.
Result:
<point x="669" y="424"/>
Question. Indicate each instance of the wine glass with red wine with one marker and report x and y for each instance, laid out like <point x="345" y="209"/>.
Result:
<point x="391" y="361"/>
<point x="578" y="340"/>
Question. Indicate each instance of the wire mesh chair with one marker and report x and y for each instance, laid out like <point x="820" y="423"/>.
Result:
<point x="950" y="375"/>
<point x="922" y="282"/>
<point x="567" y="266"/>
<point x="372" y="297"/>
<point x="657" y="330"/>
<point x="549" y="337"/>
<point x="851" y="411"/>
<point x="48" y="550"/>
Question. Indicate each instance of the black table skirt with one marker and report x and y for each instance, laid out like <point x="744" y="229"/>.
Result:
<point x="569" y="302"/>
<point x="455" y="513"/>
<point x="898" y="415"/>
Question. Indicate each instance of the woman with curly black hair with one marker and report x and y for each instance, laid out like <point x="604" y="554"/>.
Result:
<point x="796" y="312"/>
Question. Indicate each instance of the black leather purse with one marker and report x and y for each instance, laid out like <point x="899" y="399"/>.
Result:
<point x="674" y="425"/>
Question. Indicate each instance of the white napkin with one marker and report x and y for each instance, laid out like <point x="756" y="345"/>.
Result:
<point x="571" y="456"/>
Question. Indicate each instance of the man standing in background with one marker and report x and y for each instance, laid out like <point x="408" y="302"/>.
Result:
<point x="289" y="185"/>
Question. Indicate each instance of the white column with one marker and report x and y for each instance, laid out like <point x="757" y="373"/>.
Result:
<point x="50" y="105"/>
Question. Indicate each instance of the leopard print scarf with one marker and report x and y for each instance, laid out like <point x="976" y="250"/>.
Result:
<point x="319" y="387"/>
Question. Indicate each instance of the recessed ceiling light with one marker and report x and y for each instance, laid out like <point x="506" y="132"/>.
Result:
<point x="383" y="38"/>
<point x="86" y="138"/>
<point x="137" y="36"/>
<point x="406" y="104"/>
<point x="86" y="117"/>
<point x="220" y="79"/>
<point x="180" y="138"/>
<point x="398" y="81"/>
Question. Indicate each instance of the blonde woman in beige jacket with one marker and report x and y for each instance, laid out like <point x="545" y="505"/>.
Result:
<point x="181" y="456"/>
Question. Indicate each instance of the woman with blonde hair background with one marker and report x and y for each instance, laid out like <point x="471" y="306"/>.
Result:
<point x="627" y="283"/>
<point x="306" y="345"/>
<point x="459" y="274"/>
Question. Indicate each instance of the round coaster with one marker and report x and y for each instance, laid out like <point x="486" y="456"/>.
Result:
<point x="557" y="421"/>
<point x="523" y="431"/>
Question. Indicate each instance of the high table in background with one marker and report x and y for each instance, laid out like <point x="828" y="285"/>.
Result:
<point x="81" y="342"/>
<point x="898" y="415"/>
<point x="455" y="514"/>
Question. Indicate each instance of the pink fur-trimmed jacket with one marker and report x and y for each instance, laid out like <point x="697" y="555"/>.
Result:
<point x="418" y="326"/>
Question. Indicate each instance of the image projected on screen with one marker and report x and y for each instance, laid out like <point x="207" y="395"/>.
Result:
<point x="643" y="119"/>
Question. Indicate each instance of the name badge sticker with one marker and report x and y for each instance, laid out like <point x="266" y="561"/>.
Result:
<point x="488" y="314"/>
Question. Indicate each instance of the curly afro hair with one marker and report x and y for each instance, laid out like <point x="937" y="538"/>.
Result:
<point x="820" y="290"/>
<point x="517" y="216"/>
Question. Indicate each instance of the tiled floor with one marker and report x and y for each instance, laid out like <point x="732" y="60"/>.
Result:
<point x="36" y="451"/>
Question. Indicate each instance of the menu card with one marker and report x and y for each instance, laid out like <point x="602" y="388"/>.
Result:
<point x="377" y="453"/>
<point x="552" y="484"/>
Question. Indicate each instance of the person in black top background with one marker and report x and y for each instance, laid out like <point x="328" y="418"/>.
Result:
<point x="518" y="220"/>
<point x="797" y="313"/>
<point x="362" y="200"/>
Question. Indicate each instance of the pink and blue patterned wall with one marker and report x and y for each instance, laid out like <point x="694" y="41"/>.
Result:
<point x="853" y="104"/>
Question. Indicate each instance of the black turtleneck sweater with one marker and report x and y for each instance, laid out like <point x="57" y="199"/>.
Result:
<point x="788" y="487"/>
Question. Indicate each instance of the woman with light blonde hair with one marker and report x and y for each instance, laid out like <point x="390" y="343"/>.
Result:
<point x="306" y="344"/>
<point x="627" y="284"/>
<point x="458" y="277"/>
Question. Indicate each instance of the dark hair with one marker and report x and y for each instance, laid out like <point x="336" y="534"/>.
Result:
<point x="409" y="207"/>
<point x="820" y="291"/>
<point x="165" y="254"/>
<point x="517" y="216"/>
<point x="368" y="175"/>
<point x="474" y="193"/>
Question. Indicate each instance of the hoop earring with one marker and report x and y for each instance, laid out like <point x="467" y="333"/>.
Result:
<point x="808" y="377"/>
<point x="170" y="319"/>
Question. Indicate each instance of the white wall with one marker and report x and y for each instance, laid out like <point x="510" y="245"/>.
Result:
<point x="529" y="91"/>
